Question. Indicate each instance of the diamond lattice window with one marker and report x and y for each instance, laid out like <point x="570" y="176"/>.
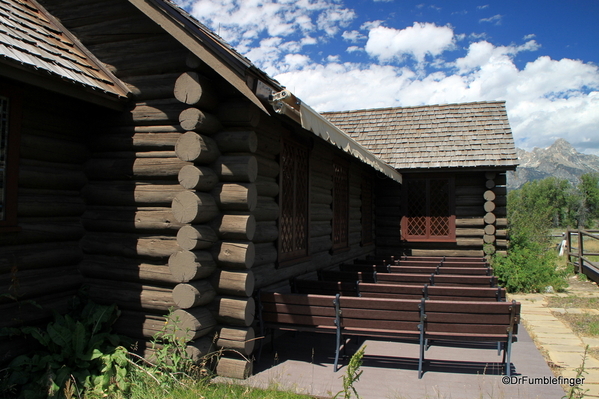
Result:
<point x="293" y="201"/>
<point x="366" y="209"/>
<point x="340" y="204"/>
<point x="428" y="207"/>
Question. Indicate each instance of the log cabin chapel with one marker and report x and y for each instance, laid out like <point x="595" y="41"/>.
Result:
<point x="144" y="158"/>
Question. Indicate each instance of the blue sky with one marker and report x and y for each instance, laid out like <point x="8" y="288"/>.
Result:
<point x="540" y="57"/>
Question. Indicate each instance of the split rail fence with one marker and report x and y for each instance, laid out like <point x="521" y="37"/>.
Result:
<point x="585" y="261"/>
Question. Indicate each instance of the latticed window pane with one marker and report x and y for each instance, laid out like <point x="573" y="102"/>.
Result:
<point x="293" y="223"/>
<point x="428" y="209"/>
<point x="367" y="236"/>
<point x="340" y="205"/>
<point x="439" y="207"/>
<point x="416" y="225"/>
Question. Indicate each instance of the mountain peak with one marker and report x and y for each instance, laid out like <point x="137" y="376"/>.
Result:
<point x="562" y="146"/>
<point x="560" y="160"/>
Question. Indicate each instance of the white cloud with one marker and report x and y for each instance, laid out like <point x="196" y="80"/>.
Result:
<point x="353" y="36"/>
<point x="496" y="19"/>
<point x="246" y="22"/>
<point x="546" y="98"/>
<point x="418" y="40"/>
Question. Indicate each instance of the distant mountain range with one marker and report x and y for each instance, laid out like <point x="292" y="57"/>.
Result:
<point x="560" y="160"/>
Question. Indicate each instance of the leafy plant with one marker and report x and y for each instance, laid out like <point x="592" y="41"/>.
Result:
<point x="529" y="268"/>
<point x="352" y="375"/>
<point x="78" y="354"/>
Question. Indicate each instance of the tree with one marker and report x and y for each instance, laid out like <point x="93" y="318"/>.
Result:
<point x="589" y="192"/>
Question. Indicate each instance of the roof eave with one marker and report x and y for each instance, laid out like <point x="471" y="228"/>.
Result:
<point x="52" y="82"/>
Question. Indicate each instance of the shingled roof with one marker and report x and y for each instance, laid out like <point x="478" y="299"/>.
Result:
<point x="32" y="40"/>
<point x="467" y="135"/>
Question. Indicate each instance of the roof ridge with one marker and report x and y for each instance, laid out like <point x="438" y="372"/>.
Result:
<point x="414" y="107"/>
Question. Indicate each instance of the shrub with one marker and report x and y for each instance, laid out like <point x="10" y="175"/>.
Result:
<point x="78" y="354"/>
<point x="529" y="267"/>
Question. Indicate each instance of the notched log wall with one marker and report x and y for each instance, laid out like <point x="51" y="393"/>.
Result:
<point x="39" y="262"/>
<point x="481" y="223"/>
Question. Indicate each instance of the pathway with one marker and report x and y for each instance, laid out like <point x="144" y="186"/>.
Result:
<point x="562" y="348"/>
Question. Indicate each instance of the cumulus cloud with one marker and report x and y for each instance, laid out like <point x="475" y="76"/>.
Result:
<point x="418" y="41"/>
<point x="244" y="23"/>
<point x="414" y="65"/>
<point x="353" y="36"/>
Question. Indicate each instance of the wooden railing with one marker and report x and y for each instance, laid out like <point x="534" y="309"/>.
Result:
<point x="579" y="257"/>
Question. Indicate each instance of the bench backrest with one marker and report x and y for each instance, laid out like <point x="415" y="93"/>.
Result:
<point x="442" y="264"/>
<point x="378" y="314"/>
<point x="439" y="279"/>
<point x="472" y="318"/>
<point x="449" y="293"/>
<point x="441" y="258"/>
<point x="321" y="287"/>
<point x="474" y="271"/>
<point x="363" y="267"/>
<point x="444" y="319"/>
<point x="333" y="275"/>
<point x="298" y="309"/>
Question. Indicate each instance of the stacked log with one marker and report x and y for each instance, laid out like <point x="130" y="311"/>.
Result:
<point x="480" y="209"/>
<point x="133" y="169"/>
<point x="495" y="237"/>
<point x="39" y="256"/>
<point x="215" y="254"/>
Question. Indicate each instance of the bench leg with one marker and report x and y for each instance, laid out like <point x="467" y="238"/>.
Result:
<point x="422" y="349"/>
<point x="338" y="333"/>
<point x="337" y="350"/>
<point x="507" y="352"/>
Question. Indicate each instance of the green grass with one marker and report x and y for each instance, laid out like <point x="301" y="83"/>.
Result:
<point x="571" y="302"/>
<point x="585" y="324"/>
<point x="144" y="388"/>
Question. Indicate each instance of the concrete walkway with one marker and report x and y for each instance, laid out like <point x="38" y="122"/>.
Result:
<point x="562" y="348"/>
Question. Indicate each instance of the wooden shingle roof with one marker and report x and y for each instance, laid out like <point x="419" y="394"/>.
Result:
<point x="32" y="40"/>
<point x="467" y="135"/>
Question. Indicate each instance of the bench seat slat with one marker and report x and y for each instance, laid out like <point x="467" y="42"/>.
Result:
<point x="298" y="309"/>
<point x="305" y="320"/>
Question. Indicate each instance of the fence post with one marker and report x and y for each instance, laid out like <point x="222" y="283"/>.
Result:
<point x="580" y="250"/>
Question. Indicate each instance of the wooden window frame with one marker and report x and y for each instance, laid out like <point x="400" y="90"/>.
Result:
<point x="288" y="258"/>
<point x="9" y="197"/>
<point x="427" y="237"/>
<point x="367" y="210"/>
<point x="340" y="234"/>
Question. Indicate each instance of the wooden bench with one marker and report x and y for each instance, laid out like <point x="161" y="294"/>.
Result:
<point x="427" y="321"/>
<point x="396" y="291"/>
<point x="473" y="265"/>
<point x="439" y="269"/>
<point x="409" y="278"/>
<point x="436" y="279"/>
<point x="435" y="259"/>
<point x="335" y="275"/>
